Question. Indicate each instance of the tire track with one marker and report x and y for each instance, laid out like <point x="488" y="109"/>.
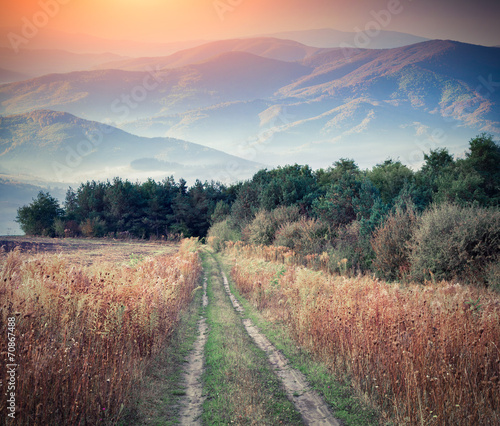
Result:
<point x="313" y="409"/>
<point x="192" y="402"/>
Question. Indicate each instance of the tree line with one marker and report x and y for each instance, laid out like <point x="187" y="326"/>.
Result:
<point x="340" y="208"/>
<point x="121" y="208"/>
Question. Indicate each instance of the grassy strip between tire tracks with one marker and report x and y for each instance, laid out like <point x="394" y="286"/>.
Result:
<point x="346" y="405"/>
<point x="241" y="388"/>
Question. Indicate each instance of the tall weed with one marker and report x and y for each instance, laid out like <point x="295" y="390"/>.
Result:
<point x="84" y="335"/>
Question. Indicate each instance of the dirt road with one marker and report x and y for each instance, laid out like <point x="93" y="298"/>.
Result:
<point x="308" y="404"/>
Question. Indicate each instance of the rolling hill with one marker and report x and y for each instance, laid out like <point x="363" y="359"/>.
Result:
<point x="331" y="103"/>
<point x="354" y="98"/>
<point x="61" y="148"/>
<point x="230" y="76"/>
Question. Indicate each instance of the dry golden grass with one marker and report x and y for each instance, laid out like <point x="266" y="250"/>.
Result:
<point x="84" y="335"/>
<point x="86" y="251"/>
<point x="426" y="354"/>
<point x="280" y="254"/>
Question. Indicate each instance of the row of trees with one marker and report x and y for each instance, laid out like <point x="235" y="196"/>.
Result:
<point x="122" y="208"/>
<point x="344" y="193"/>
<point x="339" y="209"/>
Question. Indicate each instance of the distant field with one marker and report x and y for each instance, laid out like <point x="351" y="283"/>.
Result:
<point x="81" y="319"/>
<point x="85" y="252"/>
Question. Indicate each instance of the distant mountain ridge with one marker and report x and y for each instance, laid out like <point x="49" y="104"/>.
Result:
<point x="328" y="104"/>
<point x="329" y="38"/>
<point x="59" y="147"/>
<point x="49" y="39"/>
<point x="228" y="76"/>
<point x="271" y="48"/>
<point x="29" y="63"/>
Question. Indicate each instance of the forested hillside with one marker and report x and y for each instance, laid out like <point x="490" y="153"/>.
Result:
<point x="441" y="221"/>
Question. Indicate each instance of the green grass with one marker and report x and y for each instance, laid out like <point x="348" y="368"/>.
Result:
<point x="240" y="385"/>
<point x="156" y="402"/>
<point x="346" y="405"/>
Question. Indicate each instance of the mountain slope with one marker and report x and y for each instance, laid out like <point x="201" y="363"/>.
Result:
<point x="271" y="48"/>
<point x="354" y="98"/>
<point x="60" y="147"/>
<point x="446" y="77"/>
<point x="277" y="112"/>
<point x="119" y="95"/>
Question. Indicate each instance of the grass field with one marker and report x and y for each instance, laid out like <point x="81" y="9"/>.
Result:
<point x="85" y="252"/>
<point x="92" y="328"/>
<point x="85" y="317"/>
<point x="424" y="354"/>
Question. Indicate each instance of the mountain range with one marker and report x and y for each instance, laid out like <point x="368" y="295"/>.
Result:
<point x="49" y="150"/>
<point x="329" y="37"/>
<point x="59" y="147"/>
<point x="221" y="110"/>
<point x="274" y="101"/>
<point x="53" y="51"/>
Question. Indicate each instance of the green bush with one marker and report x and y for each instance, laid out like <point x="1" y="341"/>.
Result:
<point x="492" y="275"/>
<point x="286" y="214"/>
<point x="38" y="217"/>
<point x="221" y="232"/>
<point x="455" y="242"/>
<point x="390" y="244"/>
<point x="261" y="230"/>
<point x="59" y="228"/>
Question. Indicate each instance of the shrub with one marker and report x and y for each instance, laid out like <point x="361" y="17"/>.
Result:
<point x="262" y="229"/>
<point x="286" y="214"/>
<point x="59" y="228"/>
<point x="352" y="251"/>
<point x="492" y="275"/>
<point x="93" y="228"/>
<point x="451" y="241"/>
<point x="38" y="217"/>
<point x="71" y="229"/>
<point x="221" y="232"/>
<point x="390" y="244"/>
<point x="306" y="236"/>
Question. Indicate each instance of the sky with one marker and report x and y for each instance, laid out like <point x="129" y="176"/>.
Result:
<point x="181" y="20"/>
